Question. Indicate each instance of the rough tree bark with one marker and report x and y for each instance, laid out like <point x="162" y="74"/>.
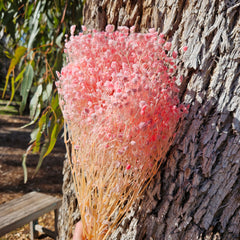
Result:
<point x="196" y="194"/>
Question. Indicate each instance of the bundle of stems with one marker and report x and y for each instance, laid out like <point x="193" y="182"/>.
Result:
<point x="105" y="189"/>
<point x="120" y="103"/>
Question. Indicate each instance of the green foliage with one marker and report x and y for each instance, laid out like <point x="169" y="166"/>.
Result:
<point x="15" y="60"/>
<point x="33" y="36"/>
<point x="26" y="85"/>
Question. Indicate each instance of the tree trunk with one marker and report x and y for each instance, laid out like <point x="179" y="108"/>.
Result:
<point x="196" y="194"/>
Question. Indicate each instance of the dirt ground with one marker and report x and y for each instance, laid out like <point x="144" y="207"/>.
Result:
<point x="13" y="143"/>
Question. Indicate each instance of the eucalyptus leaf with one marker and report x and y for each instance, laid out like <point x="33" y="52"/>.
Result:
<point x="34" y="101"/>
<point x="24" y="166"/>
<point x="20" y="75"/>
<point x="47" y="93"/>
<point x="37" y="114"/>
<point x="12" y="90"/>
<point x="59" y="40"/>
<point x="33" y="35"/>
<point x="24" y="161"/>
<point x="41" y="128"/>
<point x="26" y="85"/>
<point x="42" y="153"/>
<point x="49" y="142"/>
<point x="54" y="102"/>
<point x="34" y="135"/>
<point x="19" y="52"/>
<point x="2" y="5"/>
<point x="34" y="25"/>
<point x="56" y="129"/>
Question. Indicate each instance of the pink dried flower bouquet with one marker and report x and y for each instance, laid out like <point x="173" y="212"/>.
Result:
<point x="120" y="102"/>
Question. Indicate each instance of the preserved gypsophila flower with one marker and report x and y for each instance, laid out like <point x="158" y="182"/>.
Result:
<point x="120" y="100"/>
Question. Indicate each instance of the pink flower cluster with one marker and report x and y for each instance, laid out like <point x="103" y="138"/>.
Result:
<point x="120" y="85"/>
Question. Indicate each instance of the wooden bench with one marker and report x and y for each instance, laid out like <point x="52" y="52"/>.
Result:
<point x="27" y="209"/>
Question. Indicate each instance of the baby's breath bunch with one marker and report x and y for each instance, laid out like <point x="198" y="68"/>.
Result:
<point x="119" y="98"/>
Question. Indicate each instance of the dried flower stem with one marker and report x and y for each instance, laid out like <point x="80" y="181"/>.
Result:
<point x="119" y="99"/>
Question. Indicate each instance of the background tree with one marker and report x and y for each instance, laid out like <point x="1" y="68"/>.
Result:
<point x="32" y="37"/>
<point x="196" y="194"/>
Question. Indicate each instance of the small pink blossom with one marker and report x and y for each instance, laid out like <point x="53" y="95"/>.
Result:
<point x="58" y="74"/>
<point x="151" y="30"/>
<point x="142" y="125"/>
<point x="109" y="28"/>
<point x="185" y="48"/>
<point x="142" y="103"/>
<point x="174" y="54"/>
<point x="128" y="166"/>
<point x="161" y="35"/>
<point x="133" y="143"/>
<point x="168" y="46"/>
<point x="84" y="28"/>
<point x="132" y="29"/>
<point x="123" y="29"/>
<point x="57" y="83"/>
<point x="72" y="29"/>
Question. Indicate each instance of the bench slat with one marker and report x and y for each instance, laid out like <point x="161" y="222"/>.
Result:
<point x="21" y="208"/>
<point x="21" y="211"/>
